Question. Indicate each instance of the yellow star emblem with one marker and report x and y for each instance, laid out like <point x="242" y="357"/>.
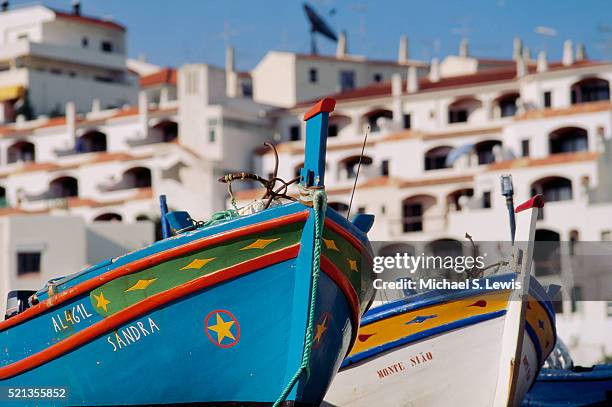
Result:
<point x="321" y="328"/>
<point x="260" y="244"/>
<point x="353" y="264"/>
<point x="330" y="244"/>
<point x="102" y="302"/>
<point x="141" y="285"/>
<point x="197" y="264"/>
<point x="223" y="329"/>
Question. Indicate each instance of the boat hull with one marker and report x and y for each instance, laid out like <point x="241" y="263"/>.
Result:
<point x="443" y="352"/>
<point x="180" y="330"/>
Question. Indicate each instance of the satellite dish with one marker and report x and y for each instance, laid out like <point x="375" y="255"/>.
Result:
<point x="317" y="25"/>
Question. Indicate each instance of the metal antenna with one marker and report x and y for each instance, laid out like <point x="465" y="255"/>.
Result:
<point x="365" y="139"/>
<point x="508" y="191"/>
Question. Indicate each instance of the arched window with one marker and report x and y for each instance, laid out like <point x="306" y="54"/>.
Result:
<point x="108" y="217"/>
<point x="64" y="187"/>
<point x="507" y="104"/>
<point x="435" y="158"/>
<point x="414" y="209"/>
<point x="350" y="164"/>
<point x="590" y="90"/>
<point x="373" y="116"/>
<point x="454" y="199"/>
<point x="554" y="189"/>
<point x="337" y="123"/>
<point x="91" y="142"/>
<point x="568" y="140"/>
<point x="547" y="252"/>
<point x="485" y="151"/>
<point x="21" y="151"/>
<point x="460" y="110"/>
<point x="165" y="131"/>
<point x="138" y="177"/>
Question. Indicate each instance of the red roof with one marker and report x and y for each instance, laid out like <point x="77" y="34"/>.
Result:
<point x="78" y="18"/>
<point x="486" y="76"/>
<point x="161" y="77"/>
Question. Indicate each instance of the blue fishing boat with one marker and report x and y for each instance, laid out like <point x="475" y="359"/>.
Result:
<point x="560" y="383"/>
<point x="251" y="309"/>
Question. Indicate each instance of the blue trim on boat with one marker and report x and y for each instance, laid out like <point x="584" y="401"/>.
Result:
<point x="421" y="335"/>
<point x="535" y="340"/>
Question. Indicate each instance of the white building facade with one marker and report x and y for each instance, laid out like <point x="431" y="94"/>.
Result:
<point x="437" y="147"/>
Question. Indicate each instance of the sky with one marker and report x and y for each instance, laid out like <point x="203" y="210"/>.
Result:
<point x="171" y="33"/>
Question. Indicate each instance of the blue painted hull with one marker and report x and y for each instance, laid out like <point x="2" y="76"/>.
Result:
<point x="171" y="354"/>
<point x="583" y="387"/>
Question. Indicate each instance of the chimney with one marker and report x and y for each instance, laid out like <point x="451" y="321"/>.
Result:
<point x="396" y="84"/>
<point x="95" y="106"/>
<point x="464" y="48"/>
<point x="568" y="53"/>
<point x="580" y="52"/>
<point x="413" y="82"/>
<point x="521" y="67"/>
<point x="231" y="76"/>
<point x="434" y="70"/>
<point x="542" y="62"/>
<point x="402" y="53"/>
<point x="5" y="5"/>
<point x="517" y="51"/>
<point x="70" y="111"/>
<point x="164" y="96"/>
<point x="342" y="48"/>
<point x="76" y="7"/>
<point x="143" y="113"/>
<point x="527" y="54"/>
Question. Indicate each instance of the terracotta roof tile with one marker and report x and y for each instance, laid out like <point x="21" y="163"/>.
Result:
<point x="161" y="77"/>
<point x="89" y="20"/>
<point x="554" y="159"/>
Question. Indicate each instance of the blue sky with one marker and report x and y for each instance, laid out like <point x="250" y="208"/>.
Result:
<point x="175" y="32"/>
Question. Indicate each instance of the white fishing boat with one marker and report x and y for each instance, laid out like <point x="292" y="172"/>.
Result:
<point x="469" y="347"/>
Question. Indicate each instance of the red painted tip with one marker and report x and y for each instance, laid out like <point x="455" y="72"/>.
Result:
<point x="323" y="105"/>
<point x="535" y="202"/>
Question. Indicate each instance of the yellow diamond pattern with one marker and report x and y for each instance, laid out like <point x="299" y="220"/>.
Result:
<point x="260" y="244"/>
<point x="352" y="264"/>
<point x="141" y="285"/>
<point x="330" y="244"/>
<point x="197" y="264"/>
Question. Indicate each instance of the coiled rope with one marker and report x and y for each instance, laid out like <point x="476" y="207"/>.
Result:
<point x="319" y="204"/>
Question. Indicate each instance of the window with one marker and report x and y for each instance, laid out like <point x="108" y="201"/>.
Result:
<point x="294" y="132"/>
<point x="590" y="90"/>
<point x="84" y="42"/>
<point x="247" y="89"/>
<point x="332" y="131"/>
<point x="554" y="189"/>
<point x="486" y="199"/>
<point x="407" y="121"/>
<point x="383" y="209"/>
<point x="313" y="75"/>
<point x="485" y="150"/>
<point x="55" y="71"/>
<point x="576" y="298"/>
<point x="606" y="235"/>
<point x="28" y="262"/>
<point x="413" y="217"/>
<point x="609" y="308"/>
<point x="435" y="158"/>
<point x="347" y="80"/>
<point x="212" y="130"/>
<point x="547" y="99"/>
<point x="525" y="148"/>
<point x="507" y="107"/>
<point x="22" y="36"/>
<point x="106" y="46"/>
<point x="384" y="168"/>
<point x="568" y="140"/>
<point x="458" y="116"/>
<point x="377" y="77"/>
<point x="361" y="209"/>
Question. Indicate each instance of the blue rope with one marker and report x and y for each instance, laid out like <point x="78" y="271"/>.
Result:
<point x="319" y="202"/>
